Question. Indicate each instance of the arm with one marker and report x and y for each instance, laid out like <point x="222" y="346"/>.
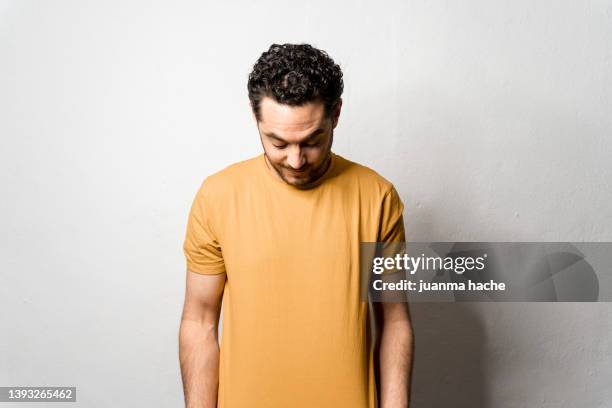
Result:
<point x="395" y="354"/>
<point x="198" y="342"/>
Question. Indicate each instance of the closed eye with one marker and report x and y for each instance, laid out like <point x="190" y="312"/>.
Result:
<point x="314" y="143"/>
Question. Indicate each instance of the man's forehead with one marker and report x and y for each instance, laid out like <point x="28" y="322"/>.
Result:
<point x="288" y="118"/>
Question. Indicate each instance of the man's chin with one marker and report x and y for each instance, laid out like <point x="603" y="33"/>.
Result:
<point x="297" y="181"/>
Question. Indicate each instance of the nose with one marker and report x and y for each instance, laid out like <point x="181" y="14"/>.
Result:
<point x="295" y="158"/>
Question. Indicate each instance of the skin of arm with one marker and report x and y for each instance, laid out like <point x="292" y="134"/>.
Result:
<point x="395" y="351"/>
<point x="198" y="340"/>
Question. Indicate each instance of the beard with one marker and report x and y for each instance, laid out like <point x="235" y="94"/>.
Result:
<point x="309" y="174"/>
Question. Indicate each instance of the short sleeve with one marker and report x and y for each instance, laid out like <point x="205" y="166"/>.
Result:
<point x="391" y="238"/>
<point x="201" y="246"/>
<point x="391" y="225"/>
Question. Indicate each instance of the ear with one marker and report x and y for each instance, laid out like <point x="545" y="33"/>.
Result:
<point x="336" y="113"/>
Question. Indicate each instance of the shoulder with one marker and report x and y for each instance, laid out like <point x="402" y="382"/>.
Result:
<point x="230" y="178"/>
<point x="367" y="179"/>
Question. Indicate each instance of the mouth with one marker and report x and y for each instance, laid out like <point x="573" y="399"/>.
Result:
<point x="297" y="172"/>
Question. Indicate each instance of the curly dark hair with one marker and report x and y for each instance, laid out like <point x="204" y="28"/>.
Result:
<point x="295" y="74"/>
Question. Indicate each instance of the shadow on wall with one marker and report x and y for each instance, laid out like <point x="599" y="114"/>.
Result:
<point x="449" y="362"/>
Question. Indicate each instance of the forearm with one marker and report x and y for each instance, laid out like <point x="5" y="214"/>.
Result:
<point x="199" y="360"/>
<point x="396" y="351"/>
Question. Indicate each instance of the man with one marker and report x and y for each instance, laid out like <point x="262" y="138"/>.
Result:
<point x="277" y="237"/>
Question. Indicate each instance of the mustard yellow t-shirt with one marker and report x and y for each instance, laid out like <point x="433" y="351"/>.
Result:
<point x="296" y="332"/>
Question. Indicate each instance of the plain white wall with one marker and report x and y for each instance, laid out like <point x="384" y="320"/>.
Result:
<point x="492" y="118"/>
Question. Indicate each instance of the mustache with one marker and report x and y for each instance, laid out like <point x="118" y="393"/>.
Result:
<point x="302" y="169"/>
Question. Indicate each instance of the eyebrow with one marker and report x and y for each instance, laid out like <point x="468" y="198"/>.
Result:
<point x="307" y="139"/>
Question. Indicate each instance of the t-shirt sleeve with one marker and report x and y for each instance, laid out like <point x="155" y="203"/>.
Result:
<point x="391" y="226"/>
<point x="201" y="246"/>
<point x="391" y="236"/>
